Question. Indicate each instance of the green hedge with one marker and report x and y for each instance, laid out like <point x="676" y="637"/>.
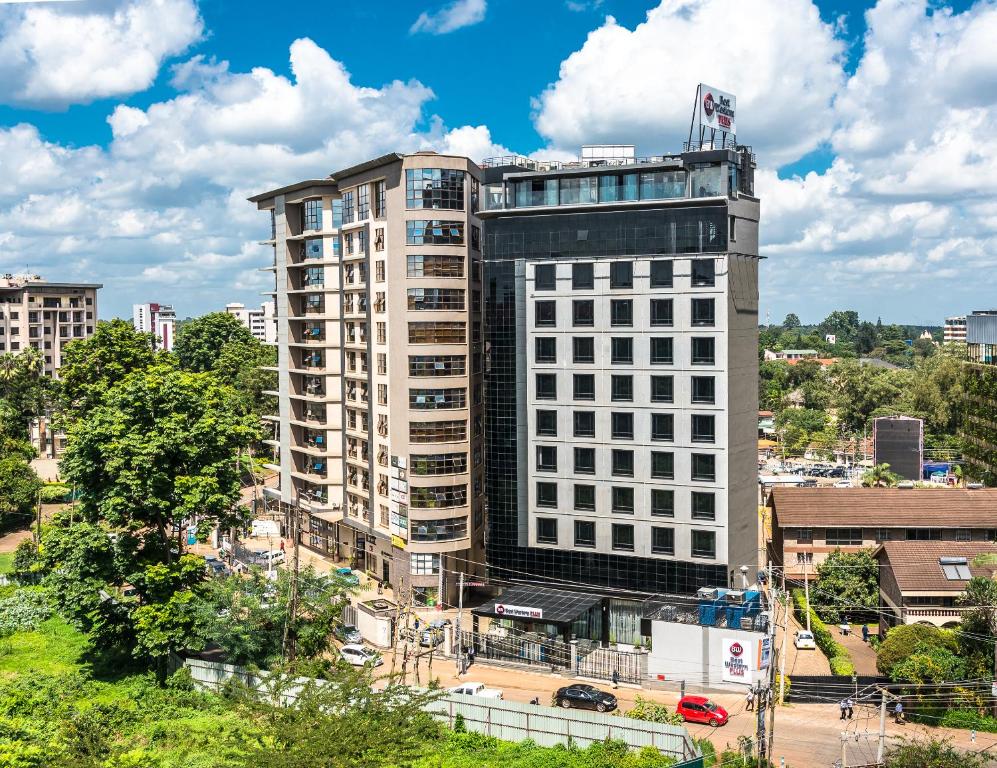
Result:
<point x="969" y="719"/>
<point x="837" y="655"/>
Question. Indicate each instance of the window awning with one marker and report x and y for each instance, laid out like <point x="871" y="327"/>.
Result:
<point x="555" y="606"/>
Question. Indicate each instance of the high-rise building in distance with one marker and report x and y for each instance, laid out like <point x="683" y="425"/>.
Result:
<point x="955" y="329"/>
<point x="621" y="298"/>
<point x="157" y="319"/>
<point x="262" y="322"/>
<point x="979" y="413"/>
<point x="380" y="357"/>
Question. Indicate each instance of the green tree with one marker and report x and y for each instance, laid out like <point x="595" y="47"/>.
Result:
<point x="931" y="754"/>
<point x="91" y="366"/>
<point x="200" y="342"/>
<point x="19" y="487"/>
<point x="979" y="624"/>
<point x="160" y="451"/>
<point x="24" y="393"/>
<point x="866" y="339"/>
<point x="929" y="664"/>
<point x="848" y="583"/>
<point x="241" y="365"/>
<point x="791" y="321"/>
<point x="904" y="640"/>
<point x="924" y="347"/>
<point x="167" y="626"/>
<point x="842" y="324"/>
<point x="880" y="476"/>
<point x="646" y="709"/>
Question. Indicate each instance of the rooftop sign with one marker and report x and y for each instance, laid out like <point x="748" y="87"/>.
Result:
<point x="717" y="109"/>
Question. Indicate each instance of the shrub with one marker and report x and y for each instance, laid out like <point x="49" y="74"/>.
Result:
<point x="903" y="641"/>
<point x="969" y="719"/>
<point x="55" y="493"/>
<point x="24" y="611"/>
<point x="842" y="665"/>
<point x="645" y="709"/>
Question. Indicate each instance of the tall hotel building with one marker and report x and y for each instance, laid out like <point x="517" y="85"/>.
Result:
<point x="380" y="367"/>
<point x="621" y="299"/>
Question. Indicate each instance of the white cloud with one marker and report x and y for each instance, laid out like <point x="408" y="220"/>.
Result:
<point x="638" y="85"/>
<point x="456" y="15"/>
<point x="56" y="54"/>
<point x="580" y="6"/>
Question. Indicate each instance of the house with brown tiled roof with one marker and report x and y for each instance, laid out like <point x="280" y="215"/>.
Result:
<point x="810" y="523"/>
<point x="920" y="581"/>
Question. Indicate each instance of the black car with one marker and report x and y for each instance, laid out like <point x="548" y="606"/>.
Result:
<point x="585" y="697"/>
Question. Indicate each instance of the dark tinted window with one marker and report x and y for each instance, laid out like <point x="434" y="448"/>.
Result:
<point x="703" y="428"/>
<point x="623" y="351"/>
<point x="621" y="312"/>
<point x="623" y="426"/>
<point x="547" y="423"/>
<point x="584" y="423"/>
<point x="623" y="389"/>
<point x="546" y="386"/>
<point x="662" y="389"/>
<point x="663" y="426"/>
<point x="661" y="312"/>
<point x="581" y="276"/>
<point x="546" y="313"/>
<point x="585" y="461"/>
<point x="663" y="541"/>
<point x="661" y="274"/>
<point x="584" y="533"/>
<point x="703" y="313"/>
<point x="704" y="506"/>
<point x="583" y="349"/>
<point x="704" y="351"/>
<point x="703" y="272"/>
<point x="546" y="349"/>
<point x="585" y="498"/>
<point x="621" y="274"/>
<point x="704" y="544"/>
<point x="545" y="277"/>
<point x="663" y="502"/>
<point x="704" y="466"/>
<point x="662" y="351"/>
<point x="623" y="463"/>
<point x="547" y="530"/>
<point x="623" y="501"/>
<point x="584" y="386"/>
<point x="546" y="494"/>
<point x="623" y="537"/>
<point x="547" y="458"/>
<point x="703" y="389"/>
<point x="663" y="465"/>
<point x="583" y="312"/>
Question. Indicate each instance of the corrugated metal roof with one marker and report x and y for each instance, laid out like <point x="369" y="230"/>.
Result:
<point x="885" y="507"/>
<point x="558" y="605"/>
<point x="916" y="567"/>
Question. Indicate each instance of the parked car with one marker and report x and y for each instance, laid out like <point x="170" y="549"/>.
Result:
<point x="347" y="575"/>
<point x="585" y="697"/>
<point x="349" y="634"/>
<point x="269" y="558"/>
<point x="699" y="709"/>
<point x="477" y="689"/>
<point x="359" y="655"/>
<point x="804" y="640"/>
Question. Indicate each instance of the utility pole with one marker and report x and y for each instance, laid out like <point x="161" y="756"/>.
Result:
<point x="460" y="613"/>
<point x="882" y="726"/>
<point x="782" y="653"/>
<point x="844" y="750"/>
<point x="289" y="638"/>
<point x="806" y="586"/>
<point x="760" y="722"/>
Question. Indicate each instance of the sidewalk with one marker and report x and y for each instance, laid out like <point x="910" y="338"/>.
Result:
<point x="863" y="655"/>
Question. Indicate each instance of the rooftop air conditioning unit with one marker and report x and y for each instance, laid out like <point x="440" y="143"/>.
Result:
<point x="708" y="593"/>
<point x="735" y="597"/>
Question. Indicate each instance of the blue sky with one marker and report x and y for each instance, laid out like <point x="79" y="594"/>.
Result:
<point x="131" y="131"/>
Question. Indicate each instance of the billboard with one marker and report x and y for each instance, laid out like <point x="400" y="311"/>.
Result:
<point x="737" y="660"/>
<point x="899" y="442"/>
<point x="717" y="109"/>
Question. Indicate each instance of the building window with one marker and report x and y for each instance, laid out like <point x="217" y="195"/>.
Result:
<point x="662" y="389"/>
<point x="704" y="467"/>
<point x="662" y="351"/>
<point x="545" y="277"/>
<point x="440" y="188"/>
<point x="437" y="333"/>
<point x="583" y="349"/>
<point x="380" y="199"/>
<point x="546" y="423"/>
<point x="439" y="464"/>
<point x="662" y="541"/>
<point x="437" y="431"/>
<point x="843" y="537"/>
<point x="534" y="192"/>
<point x="579" y="190"/>
<point x="662" y="465"/>
<point x="623" y="501"/>
<point x="622" y="351"/>
<point x="663" y="502"/>
<point x="963" y="534"/>
<point x="582" y="277"/>
<point x="546" y="530"/>
<point x="434" y="266"/>
<point x="439" y="530"/>
<point x="547" y="458"/>
<point x="623" y="537"/>
<point x="584" y="386"/>
<point x="661" y="312"/>
<point x="623" y="388"/>
<point x="545" y="313"/>
<point x="436" y="299"/>
<point x="704" y="350"/>
<point x="582" y="312"/>
<point x="663" y="427"/>
<point x="547" y="495"/>
<point x="623" y="463"/>
<point x="545" y="349"/>
<point x="703" y="389"/>
<point x="585" y="498"/>
<point x="703" y="428"/>
<point x="434" y="232"/>
<point x="617" y="187"/>
<point x="584" y="423"/>
<point x="475" y="237"/>
<point x="584" y="461"/>
<point x="437" y="399"/>
<point x="584" y="533"/>
<point x="924" y="534"/>
<point x="313" y="215"/>
<point x="704" y="506"/>
<point x="703" y="272"/>
<point x="621" y="274"/>
<point x="363" y="202"/>
<point x="425" y="565"/>
<point x="439" y="497"/>
<point x="621" y="312"/>
<point x="379" y="270"/>
<point x="437" y="365"/>
<point x="703" y="313"/>
<point x="804" y="557"/>
<point x="805" y="535"/>
<point x="382" y="394"/>
<point x="661" y="274"/>
<point x="623" y="426"/>
<point x="347" y="207"/>
<point x="704" y="544"/>
<point x="546" y="386"/>
<point x="662" y="185"/>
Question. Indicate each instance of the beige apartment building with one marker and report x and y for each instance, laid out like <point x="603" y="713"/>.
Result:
<point x="380" y="363"/>
<point x="46" y="316"/>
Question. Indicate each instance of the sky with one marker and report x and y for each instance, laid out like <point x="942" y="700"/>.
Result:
<point x="132" y="131"/>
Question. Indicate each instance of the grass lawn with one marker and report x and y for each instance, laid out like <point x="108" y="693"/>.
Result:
<point x="55" y="648"/>
<point x="6" y="561"/>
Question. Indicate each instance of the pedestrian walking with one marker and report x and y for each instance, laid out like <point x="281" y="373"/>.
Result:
<point x="843" y="704"/>
<point x="850" y="704"/>
<point x="416" y="623"/>
<point x="470" y="655"/>
<point x="616" y="679"/>
<point x="749" y="701"/>
<point x="898" y="713"/>
<point x="865" y="633"/>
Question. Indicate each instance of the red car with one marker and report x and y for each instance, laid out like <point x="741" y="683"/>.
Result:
<point x="699" y="709"/>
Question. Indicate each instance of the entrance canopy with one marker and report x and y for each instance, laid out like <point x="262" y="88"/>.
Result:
<point x="539" y="604"/>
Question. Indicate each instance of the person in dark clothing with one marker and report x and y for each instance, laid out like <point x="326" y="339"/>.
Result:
<point x="850" y="704"/>
<point x="616" y="679"/>
<point x="843" y="705"/>
<point x="865" y="633"/>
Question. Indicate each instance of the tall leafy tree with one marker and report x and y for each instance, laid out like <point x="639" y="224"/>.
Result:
<point x="158" y="451"/>
<point x="979" y="623"/>
<point x="91" y="366"/>
<point x="200" y="341"/>
<point x="848" y="583"/>
<point x="24" y="392"/>
<point x="19" y="487"/>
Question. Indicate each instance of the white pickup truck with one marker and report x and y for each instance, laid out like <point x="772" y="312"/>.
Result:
<point x="477" y="689"/>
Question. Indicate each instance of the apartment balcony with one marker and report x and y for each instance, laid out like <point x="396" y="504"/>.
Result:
<point x="940" y="615"/>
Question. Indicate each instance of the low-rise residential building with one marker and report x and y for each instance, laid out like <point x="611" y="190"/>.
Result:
<point x="920" y="581"/>
<point x="790" y="354"/>
<point x="810" y="523"/>
<point x="955" y="330"/>
<point x="157" y="319"/>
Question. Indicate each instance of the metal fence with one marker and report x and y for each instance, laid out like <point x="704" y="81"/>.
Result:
<point x="601" y="663"/>
<point x="506" y="720"/>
